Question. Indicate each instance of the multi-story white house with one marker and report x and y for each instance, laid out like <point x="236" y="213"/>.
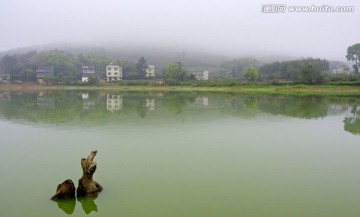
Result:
<point x="201" y="76"/>
<point x="150" y="71"/>
<point x="113" y="73"/>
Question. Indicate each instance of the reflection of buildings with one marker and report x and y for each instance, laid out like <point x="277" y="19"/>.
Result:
<point x="114" y="102"/>
<point x="160" y="95"/>
<point x="202" y="75"/>
<point x="5" y="96"/>
<point x="338" y="109"/>
<point x="201" y="100"/>
<point x="87" y="104"/>
<point x="45" y="102"/>
<point x="150" y="104"/>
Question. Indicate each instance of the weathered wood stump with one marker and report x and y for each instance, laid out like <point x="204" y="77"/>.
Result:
<point x="65" y="190"/>
<point x="87" y="186"/>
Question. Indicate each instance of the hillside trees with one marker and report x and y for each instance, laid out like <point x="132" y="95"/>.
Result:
<point x="306" y="70"/>
<point x="237" y="66"/>
<point x="67" y="67"/>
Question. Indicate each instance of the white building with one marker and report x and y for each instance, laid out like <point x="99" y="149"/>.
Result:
<point x="202" y="75"/>
<point x="87" y="72"/>
<point x="5" y="78"/>
<point x="113" y="73"/>
<point x="342" y="69"/>
<point x="150" y="71"/>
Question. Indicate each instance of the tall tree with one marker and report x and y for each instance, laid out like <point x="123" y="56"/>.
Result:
<point x="353" y="54"/>
<point x="174" y="71"/>
<point x="141" y="67"/>
<point x="251" y="74"/>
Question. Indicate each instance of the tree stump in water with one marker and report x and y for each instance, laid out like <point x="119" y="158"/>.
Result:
<point x="87" y="186"/>
<point x="65" y="190"/>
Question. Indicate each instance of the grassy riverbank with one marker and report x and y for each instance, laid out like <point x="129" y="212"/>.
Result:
<point x="285" y="89"/>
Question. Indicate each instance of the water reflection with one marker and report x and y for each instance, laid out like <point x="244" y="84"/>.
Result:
<point x="114" y="102"/>
<point x="74" y="106"/>
<point x="68" y="205"/>
<point x="352" y="122"/>
<point x="88" y="204"/>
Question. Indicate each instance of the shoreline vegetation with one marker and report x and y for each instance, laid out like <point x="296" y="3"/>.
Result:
<point x="245" y="88"/>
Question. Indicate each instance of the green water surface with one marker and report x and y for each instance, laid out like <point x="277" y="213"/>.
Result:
<point x="181" y="154"/>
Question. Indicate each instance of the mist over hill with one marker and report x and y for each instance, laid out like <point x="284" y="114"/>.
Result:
<point x="159" y="56"/>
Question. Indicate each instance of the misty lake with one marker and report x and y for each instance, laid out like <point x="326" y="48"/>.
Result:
<point x="181" y="153"/>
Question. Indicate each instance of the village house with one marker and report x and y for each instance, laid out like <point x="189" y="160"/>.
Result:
<point x="89" y="72"/>
<point x="150" y="71"/>
<point x="201" y="76"/>
<point x="342" y="70"/>
<point x="5" y="78"/>
<point x="113" y="73"/>
<point x="160" y="81"/>
<point x="43" y="73"/>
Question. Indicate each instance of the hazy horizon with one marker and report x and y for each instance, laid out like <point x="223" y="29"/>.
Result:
<point x="226" y="27"/>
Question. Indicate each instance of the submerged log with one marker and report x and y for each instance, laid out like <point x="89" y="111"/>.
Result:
<point x="65" y="190"/>
<point x="87" y="186"/>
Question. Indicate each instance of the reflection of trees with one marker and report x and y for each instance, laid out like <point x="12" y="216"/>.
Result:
<point x="135" y="103"/>
<point x="175" y="102"/>
<point x="67" y="205"/>
<point x="352" y="124"/>
<point x="67" y="106"/>
<point x="242" y="107"/>
<point x="72" y="106"/>
<point x="250" y="103"/>
<point x="295" y="106"/>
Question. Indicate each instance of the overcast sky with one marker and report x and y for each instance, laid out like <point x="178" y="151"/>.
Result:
<point x="230" y="27"/>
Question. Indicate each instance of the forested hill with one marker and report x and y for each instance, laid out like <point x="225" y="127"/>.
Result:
<point x="159" y="57"/>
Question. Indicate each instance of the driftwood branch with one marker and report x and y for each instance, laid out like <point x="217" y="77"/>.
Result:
<point x="87" y="186"/>
<point x="65" y="190"/>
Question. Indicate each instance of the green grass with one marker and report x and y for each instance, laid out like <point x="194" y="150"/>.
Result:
<point x="219" y="87"/>
<point x="286" y="89"/>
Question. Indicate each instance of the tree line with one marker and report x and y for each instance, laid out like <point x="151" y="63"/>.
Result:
<point x="308" y="70"/>
<point x="68" y="67"/>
